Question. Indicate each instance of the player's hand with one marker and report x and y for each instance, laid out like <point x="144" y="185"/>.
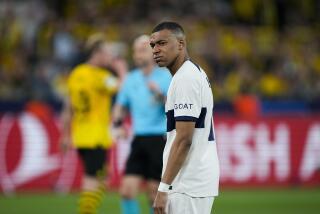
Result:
<point x="160" y="203"/>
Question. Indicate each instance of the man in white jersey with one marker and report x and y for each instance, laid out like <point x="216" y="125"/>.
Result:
<point x="190" y="174"/>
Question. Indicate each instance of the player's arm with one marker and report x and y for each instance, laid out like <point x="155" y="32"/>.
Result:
<point x="119" y="111"/>
<point x="111" y="84"/>
<point x="118" y="114"/>
<point x="66" y="115"/>
<point x="177" y="156"/>
<point x="179" y="150"/>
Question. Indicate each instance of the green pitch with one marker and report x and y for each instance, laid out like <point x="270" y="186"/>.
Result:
<point x="288" y="201"/>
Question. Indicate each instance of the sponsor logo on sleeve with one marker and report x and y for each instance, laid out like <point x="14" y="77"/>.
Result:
<point x="183" y="106"/>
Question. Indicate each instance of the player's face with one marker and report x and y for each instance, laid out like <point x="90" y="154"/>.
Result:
<point x="142" y="54"/>
<point x="165" y="47"/>
<point x="105" y="56"/>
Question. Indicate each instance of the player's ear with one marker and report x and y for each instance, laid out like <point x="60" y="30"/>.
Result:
<point x="182" y="44"/>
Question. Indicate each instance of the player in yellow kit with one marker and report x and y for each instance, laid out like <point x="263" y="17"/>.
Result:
<point x="87" y="110"/>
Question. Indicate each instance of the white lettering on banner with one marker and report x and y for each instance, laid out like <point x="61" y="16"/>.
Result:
<point x="311" y="154"/>
<point x="242" y="151"/>
<point x="224" y="149"/>
<point x="35" y="159"/>
<point x="241" y="161"/>
<point x="276" y="151"/>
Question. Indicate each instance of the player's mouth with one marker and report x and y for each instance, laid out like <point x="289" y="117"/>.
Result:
<point x="157" y="58"/>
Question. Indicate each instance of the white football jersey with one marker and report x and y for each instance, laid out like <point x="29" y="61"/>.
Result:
<point x="190" y="99"/>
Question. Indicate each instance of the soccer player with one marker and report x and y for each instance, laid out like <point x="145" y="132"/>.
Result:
<point x="87" y="110"/>
<point x="143" y="95"/>
<point x="190" y="175"/>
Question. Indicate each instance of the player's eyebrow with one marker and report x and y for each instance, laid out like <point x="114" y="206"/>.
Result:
<point x="152" y="44"/>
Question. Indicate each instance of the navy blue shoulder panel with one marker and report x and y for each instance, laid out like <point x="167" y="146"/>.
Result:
<point x="195" y="64"/>
<point x="171" y="120"/>
<point x="171" y="123"/>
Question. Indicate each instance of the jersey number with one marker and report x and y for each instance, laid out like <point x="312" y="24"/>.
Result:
<point x="83" y="106"/>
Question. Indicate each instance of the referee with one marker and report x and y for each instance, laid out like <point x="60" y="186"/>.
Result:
<point x="143" y="95"/>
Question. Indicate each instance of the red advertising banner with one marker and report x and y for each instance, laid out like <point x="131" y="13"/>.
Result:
<point x="264" y="151"/>
<point x="275" y="150"/>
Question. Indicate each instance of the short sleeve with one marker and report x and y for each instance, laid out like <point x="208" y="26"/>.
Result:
<point x="123" y="95"/>
<point x="107" y="82"/>
<point x="187" y="100"/>
<point x="111" y="84"/>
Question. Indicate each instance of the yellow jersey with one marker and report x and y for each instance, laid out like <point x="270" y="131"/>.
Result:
<point x="91" y="89"/>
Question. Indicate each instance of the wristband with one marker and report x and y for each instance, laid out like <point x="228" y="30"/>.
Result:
<point x="163" y="187"/>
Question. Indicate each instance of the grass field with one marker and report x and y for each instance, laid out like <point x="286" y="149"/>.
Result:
<point x="289" y="201"/>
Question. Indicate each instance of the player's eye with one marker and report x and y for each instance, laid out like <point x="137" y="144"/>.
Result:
<point x="152" y="45"/>
<point x="162" y="43"/>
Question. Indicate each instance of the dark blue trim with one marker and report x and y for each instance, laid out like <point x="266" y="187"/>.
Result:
<point x="195" y="65"/>
<point x="171" y="120"/>
<point x="171" y="123"/>
<point x="201" y="119"/>
<point x="186" y="118"/>
<point x="211" y="134"/>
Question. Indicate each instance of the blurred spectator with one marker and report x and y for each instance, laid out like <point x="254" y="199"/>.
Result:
<point x="270" y="48"/>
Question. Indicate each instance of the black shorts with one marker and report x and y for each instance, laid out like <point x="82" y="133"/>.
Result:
<point x="145" y="157"/>
<point x="93" y="161"/>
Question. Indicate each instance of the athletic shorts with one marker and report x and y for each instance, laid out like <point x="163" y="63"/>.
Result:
<point x="179" y="203"/>
<point x="145" y="158"/>
<point x="93" y="161"/>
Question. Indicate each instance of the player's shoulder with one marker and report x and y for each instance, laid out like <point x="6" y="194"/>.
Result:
<point x="77" y="69"/>
<point x="188" y="72"/>
<point x="83" y="69"/>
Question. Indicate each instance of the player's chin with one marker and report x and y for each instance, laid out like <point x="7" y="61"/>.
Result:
<point x="161" y="63"/>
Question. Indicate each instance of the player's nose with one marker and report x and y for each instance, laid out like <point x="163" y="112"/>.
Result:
<point x="155" y="50"/>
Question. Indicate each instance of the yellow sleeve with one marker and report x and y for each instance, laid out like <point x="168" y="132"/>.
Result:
<point x="106" y="81"/>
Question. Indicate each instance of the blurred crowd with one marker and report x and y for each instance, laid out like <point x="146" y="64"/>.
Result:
<point x="269" y="49"/>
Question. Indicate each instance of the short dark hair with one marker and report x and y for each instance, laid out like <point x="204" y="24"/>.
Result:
<point x="172" y="26"/>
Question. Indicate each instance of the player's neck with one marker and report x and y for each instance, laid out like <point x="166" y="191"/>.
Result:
<point x="178" y="63"/>
<point x="93" y="62"/>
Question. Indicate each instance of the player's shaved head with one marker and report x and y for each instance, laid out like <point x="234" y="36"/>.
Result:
<point x="142" y="52"/>
<point x="174" y="27"/>
<point x="142" y="40"/>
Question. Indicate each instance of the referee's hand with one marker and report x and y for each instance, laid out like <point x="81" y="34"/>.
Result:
<point x="160" y="203"/>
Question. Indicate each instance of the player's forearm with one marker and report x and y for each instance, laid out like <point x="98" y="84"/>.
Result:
<point x="118" y="115"/>
<point x="66" y="122"/>
<point x="177" y="157"/>
<point x="66" y="119"/>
